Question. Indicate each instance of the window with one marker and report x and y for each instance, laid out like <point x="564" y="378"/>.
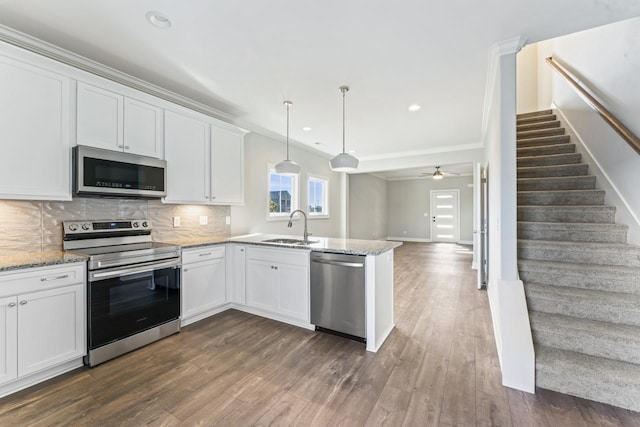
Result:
<point x="318" y="197"/>
<point x="283" y="194"/>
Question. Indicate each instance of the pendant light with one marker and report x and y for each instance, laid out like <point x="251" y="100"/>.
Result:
<point x="343" y="162"/>
<point x="437" y="174"/>
<point x="287" y="167"/>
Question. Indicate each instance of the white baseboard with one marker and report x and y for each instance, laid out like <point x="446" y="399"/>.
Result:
<point x="465" y="242"/>
<point x="409" y="239"/>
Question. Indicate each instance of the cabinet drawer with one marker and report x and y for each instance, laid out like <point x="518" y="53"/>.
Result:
<point x="38" y="279"/>
<point x="282" y="256"/>
<point x="202" y="254"/>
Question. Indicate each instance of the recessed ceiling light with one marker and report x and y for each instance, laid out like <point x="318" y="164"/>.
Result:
<point x="306" y="129"/>
<point x="158" y="19"/>
<point x="352" y="151"/>
<point x="414" y="107"/>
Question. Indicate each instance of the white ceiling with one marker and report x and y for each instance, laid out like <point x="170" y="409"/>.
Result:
<point x="245" y="57"/>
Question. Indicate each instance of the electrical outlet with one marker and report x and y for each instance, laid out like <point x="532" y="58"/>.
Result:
<point x="227" y="220"/>
<point x="204" y="220"/>
<point x="176" y="221"/>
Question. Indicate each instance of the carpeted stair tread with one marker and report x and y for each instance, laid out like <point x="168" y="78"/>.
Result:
<point x="575" y="169"/>
<point x="539" y="132"/>
<point x="523" y="127"/>
<point x="573" y="231"/>
<point x="616" y="383"/>
<point x="581" y="182"/>
<point x="546" y="150"/>
<point x="592" y="337"/>
<point x="594" y="277"/>
<point x="594" y="214"/>
<point x="542" y="141"/>
<point x="561" y="197"/>
<point x="598" y="253"/>
<point x="585" y="303"/>
<point x="549" y="160"/>
<point x="536" y="119"/>
<point x="534" y="114"/>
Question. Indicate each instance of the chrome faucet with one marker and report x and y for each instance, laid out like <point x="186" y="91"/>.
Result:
<point x="306" y="232"/>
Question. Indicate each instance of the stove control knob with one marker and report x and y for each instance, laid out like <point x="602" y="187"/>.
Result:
<point x="145" y="224"/>
<point x="135" y="225"/>
<point x="73" y="227"/>
<point x="86" y="226"/>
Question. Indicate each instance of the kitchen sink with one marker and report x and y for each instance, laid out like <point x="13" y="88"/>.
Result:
<point x="290" y="241"/>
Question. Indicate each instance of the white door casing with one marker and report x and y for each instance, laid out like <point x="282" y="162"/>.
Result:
<point x="445" y="216"/>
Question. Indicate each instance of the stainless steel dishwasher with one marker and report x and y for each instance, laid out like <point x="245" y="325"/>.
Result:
<point x="337" y="294"/>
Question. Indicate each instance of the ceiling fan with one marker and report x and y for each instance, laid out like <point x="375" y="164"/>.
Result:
<point x="438" y="174"/>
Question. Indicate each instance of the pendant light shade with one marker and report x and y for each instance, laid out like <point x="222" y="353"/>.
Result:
<point x="287" y="167"/>
<point x="343" y="162"/>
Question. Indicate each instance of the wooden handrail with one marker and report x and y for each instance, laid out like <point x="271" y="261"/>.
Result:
<point x="616" y="124"/>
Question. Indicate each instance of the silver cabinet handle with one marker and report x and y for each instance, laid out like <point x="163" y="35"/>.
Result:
<point x="11" y="304"/>
<point x="184" y="270"/>
<point x="46" y="279"/>
<point x="120" y="146"/>
<point x="207" y="254"/>
<point x="126" y="147"/>
<point x="241" y="250"/>
<point x="23" y="302"/>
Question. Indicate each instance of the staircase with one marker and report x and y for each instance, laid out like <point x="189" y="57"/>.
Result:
<point x="582" y="280"/>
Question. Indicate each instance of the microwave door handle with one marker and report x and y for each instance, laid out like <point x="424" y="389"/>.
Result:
<point x="94" y="277"/>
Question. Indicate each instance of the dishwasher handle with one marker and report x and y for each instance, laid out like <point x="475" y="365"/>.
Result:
<point x="340" y="263"/>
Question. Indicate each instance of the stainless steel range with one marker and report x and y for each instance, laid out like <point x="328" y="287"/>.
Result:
<point x="133" y="285"/>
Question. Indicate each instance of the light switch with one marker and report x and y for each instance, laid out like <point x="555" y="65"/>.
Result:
<point x="176" y="221"/>
<point x="204" y="220"/>
<point x="227" y="220"/>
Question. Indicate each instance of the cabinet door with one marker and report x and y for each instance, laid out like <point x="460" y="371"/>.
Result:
<point x="34" y="132"/>
<point x="51" y="328"/>
<point x="203" y="287"/>
<point x="260" y="289"/>
<point x="227" y="167"/>
<point x="293" y="291"/>
<point x="8" y="339"/>
<point x="238" y="264"/>
<point x="100" y="118"/>
<point x="143" y="129"/>
<point x="186" y="141"/>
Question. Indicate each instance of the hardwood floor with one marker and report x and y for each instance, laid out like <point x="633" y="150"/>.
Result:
<point x="438" y="368"/>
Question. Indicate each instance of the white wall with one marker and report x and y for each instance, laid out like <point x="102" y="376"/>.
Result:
<point x="252" y="217"/>
<point x="506" y="292"/>
<point x="527" y="79"/>
<point x="606" y="60"/>
<point x="367" y="207"/>
<point x="409" y="201"/>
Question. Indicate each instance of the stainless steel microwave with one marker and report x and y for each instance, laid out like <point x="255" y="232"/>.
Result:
<point x="108" y="173"/>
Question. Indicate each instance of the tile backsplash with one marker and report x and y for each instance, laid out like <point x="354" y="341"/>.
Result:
<point x="33" y="226"/>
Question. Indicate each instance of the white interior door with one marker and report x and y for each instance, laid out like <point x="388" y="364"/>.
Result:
<point x="445" y="214"/>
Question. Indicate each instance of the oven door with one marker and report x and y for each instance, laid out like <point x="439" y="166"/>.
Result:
<point x="125" y="301"/>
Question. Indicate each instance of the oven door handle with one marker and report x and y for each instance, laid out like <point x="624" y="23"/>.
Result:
<point x="94" y="277"/>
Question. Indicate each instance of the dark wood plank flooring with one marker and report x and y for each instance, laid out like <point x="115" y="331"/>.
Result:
<point x="438" y="368"/>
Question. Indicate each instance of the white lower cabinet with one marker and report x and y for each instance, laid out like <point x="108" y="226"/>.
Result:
<point x="43" y="324"/>
<point x="204" y="288"/>
<point x="277" y="282"/>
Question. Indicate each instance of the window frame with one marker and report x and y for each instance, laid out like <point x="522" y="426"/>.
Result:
<point x="326" y="182"/>
<point x="295" y="195"/>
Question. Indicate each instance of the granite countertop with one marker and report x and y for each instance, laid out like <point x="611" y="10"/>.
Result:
<point x="38" y="259"/>
<point x="322" y="244"/>
<point x="198" y="241"/>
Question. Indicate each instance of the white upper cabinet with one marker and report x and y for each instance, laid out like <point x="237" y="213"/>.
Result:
<point x="205" y="160"/>
<point x="187" y="153"/>
<point x="143" y="128"/>
<point x="227" y="166"/>
<point x="112" y="121"/>
<point x="34" y="131"/>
